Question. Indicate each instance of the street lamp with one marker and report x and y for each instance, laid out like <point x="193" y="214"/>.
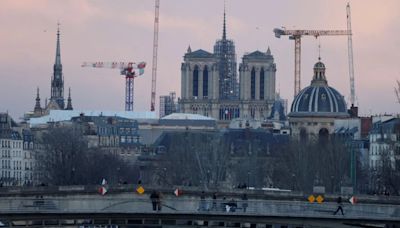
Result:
<point x="118" y="176"/>
<point x="293" y="181"/>
<point x="208" y="177"/>
<point x="248" y="179"/>
<point x="72" y="175"/>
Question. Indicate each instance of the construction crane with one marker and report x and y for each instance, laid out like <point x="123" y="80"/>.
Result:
<point x="155" y="48"/>
<point x="296" y="36"/>
<point x="129" y="69"/>
<point x="350" y="53"/>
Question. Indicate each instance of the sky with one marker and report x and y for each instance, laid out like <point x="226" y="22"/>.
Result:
<point x="122" y="30"/>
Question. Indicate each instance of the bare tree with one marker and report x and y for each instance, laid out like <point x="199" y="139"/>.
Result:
<point x="304" y="164"/>
<point x="198" y="159"/>
<point x="63" y="155"/>
<point x="65" y="159"/>
<point x="385" y="176"/>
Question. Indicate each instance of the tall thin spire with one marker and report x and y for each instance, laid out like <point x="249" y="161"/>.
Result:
<point x="57" y="81"/>
<point x="37" y="109"/>
<point x="224" y="26"/>
<point x="37" y="105"/>
<point x="69" y="100"/>
<point x="58" y="52"/>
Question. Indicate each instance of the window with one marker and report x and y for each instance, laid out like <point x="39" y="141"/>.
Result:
<point x="262" y="84"/>
<point x="196" y="81"/>
<point x="253" y="84"/>
<point x="205" y="82"/>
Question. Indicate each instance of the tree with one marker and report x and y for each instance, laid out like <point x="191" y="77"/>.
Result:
<point x="63" y="156"/>
<point x="65" y="159"/>
<point x="301" y="165"/>
<point x="385" y="177"/>
<point x="198" y="159"/>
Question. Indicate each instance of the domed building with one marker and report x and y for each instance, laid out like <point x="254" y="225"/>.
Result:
<point x="315" y="108"/>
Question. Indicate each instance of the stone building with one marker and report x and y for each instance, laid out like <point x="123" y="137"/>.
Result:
<point x="384" y="141"/>
<point x="15" y="164"/>
<point x="209" y="86"/>
<point x="316" y="107"/>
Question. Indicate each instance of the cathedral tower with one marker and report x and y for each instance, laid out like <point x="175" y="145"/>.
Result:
<point x="224" y="50"/>
<point x="57" y="80"/>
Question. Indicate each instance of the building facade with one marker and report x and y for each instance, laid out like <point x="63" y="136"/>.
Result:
<point x="168" y="104"/>
<point x="209" y="86"/>
<point x="384" y="139"/>
<point x="15" y="166"/>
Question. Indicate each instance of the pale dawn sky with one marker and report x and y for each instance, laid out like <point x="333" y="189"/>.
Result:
<point x="122" y="30"/>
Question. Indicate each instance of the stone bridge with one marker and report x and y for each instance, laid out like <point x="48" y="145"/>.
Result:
<point x="83" y="206"/>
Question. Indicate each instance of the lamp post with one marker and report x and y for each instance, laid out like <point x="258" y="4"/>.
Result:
<point x="165" y="175"/>
<point x="248" y="179"/>
<point x="118" y="175"/>
<point x="72" y="176"/>
<point x="293" y="181"/>
<point x="208" y="177"/>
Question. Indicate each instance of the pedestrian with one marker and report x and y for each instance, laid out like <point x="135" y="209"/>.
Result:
<point x="154" y="199"/>
<point x="232" y="205"/>
<point x="203" y="204"/>
<point x="244" y="202"/>
<point x="340" y="204"/>
<point x="214" y="202"/>
<point x="224" y="206"/>
<point x="159" y="200"/>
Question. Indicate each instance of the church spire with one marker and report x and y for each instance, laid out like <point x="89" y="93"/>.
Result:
<point x="224" y="26"/>
<point x="37" y="110"/>
<point x="69" y="101"/>
<point x="57" y="81"/>
<point x="58" y="53"/>
<point x="37" y="105"/>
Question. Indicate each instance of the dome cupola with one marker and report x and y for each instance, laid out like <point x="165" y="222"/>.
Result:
<point x="319" y="99"/>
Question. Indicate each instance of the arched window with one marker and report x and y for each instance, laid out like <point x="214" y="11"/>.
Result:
<point x="303" y="135"/>
<point x="196" y="81"/>
<point x="253" y="84"/>
<point x="262" y="84"/>
<point x="205" y="82"/>
<point x="323" y="136"/>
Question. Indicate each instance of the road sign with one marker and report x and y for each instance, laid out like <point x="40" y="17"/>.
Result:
<point x="353" y="200"/>
<point x="102" y="190"/>
<point x="311" y="199"/>
<point x="140" y="190"/>
<point x="178" y="192"/>
<point x="320" y="199"/>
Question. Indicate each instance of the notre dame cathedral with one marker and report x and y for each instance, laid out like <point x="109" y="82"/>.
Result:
<point x="209" y="84"/>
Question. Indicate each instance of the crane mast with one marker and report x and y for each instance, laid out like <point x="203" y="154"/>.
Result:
<point x="155" y="49"/>
<point x="350" y="55"/>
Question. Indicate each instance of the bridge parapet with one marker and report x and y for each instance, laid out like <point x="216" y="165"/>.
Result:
<point x="134" y="203"/>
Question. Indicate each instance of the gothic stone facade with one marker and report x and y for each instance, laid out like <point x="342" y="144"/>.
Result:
<point x="200" y="83"/>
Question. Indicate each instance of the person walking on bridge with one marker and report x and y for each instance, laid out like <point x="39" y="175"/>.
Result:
<point x="154" y="197"/>
<point x="340" y="206"/>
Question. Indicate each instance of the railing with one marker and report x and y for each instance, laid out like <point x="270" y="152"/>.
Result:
<point x="142" y="204"/>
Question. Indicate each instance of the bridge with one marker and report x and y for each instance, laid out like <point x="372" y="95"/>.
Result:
<point x="83" y="206"/>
